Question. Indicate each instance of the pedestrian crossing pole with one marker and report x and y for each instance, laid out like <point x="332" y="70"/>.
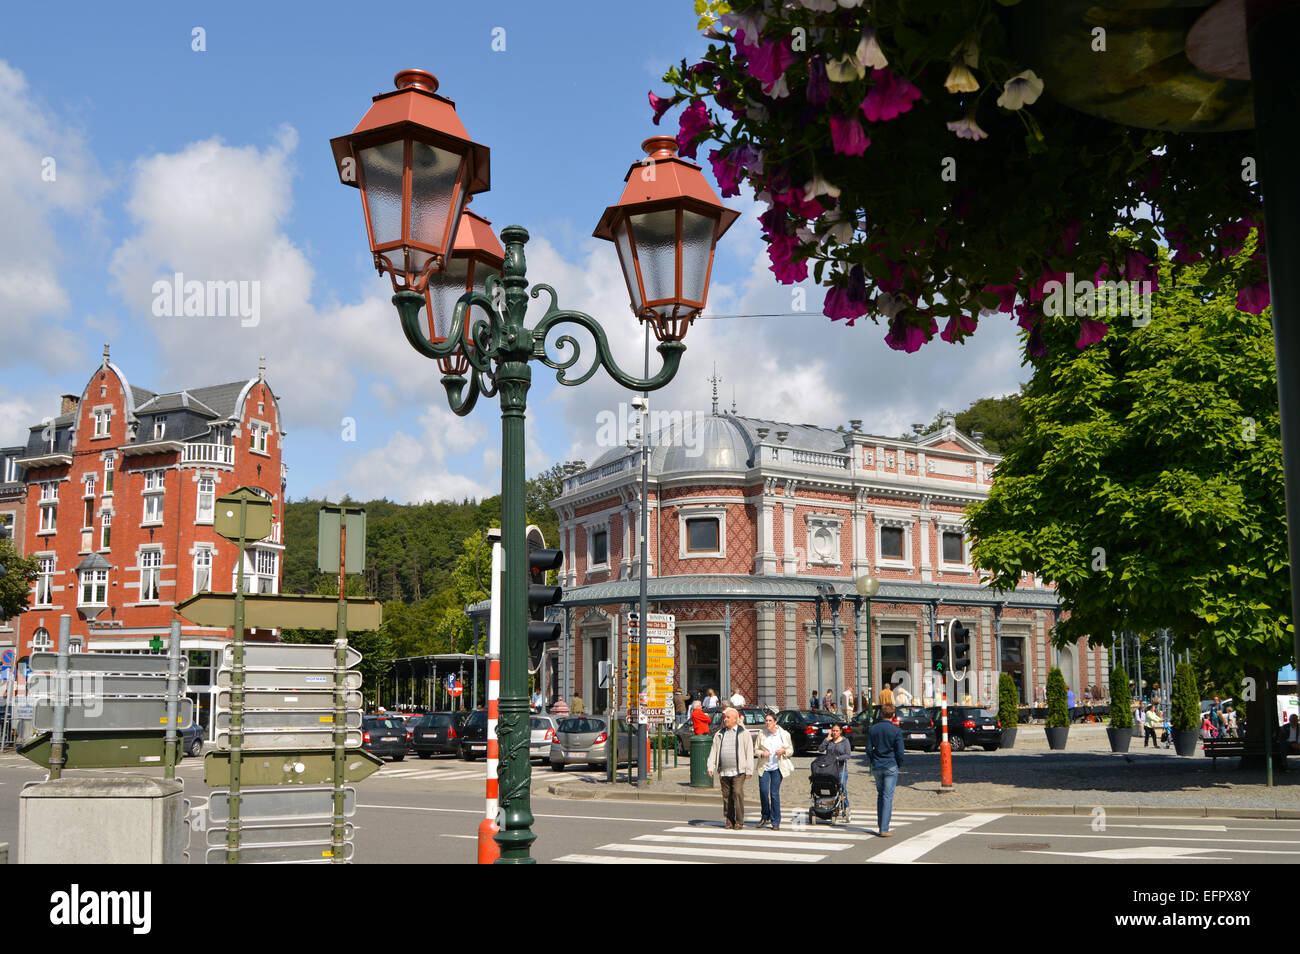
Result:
<point x="488" y="849"/>
<point x="945" y="747"/>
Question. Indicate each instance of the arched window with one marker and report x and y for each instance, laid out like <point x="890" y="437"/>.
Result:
<point x="41" y="642"/>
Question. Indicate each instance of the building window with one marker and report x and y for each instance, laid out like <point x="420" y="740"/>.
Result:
<point x="159" y="428"/>
<point x="49" y="505"/>
<point x="154" y="486"/>
<point x="702" y="535"/>
<point x="266" y="561"/>
<point x="202" y="569"/>
<point x="257" y="435"/>
<point x="10" y="470"/>
<point x="41" y="642"/>
<point x="7" y="527"/>
<point x="150" y="571"/>
<point x="599" y="555"/>
<point x="207" y="500"/>
<point x="953" y="550"/>
<point x="45" y="582"/>
<point x="105" y="529"/>
<point x="102" y="416"/>
<point x="891" y="543"/>
<point x="108" y="474"/>
<point x="94" y="588"/>
<point x="703" y="670"/>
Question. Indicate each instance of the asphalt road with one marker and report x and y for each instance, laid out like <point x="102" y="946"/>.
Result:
<point x="420" y="811"/>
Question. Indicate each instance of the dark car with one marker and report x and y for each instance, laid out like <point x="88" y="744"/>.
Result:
<point x="914" y="722"/>
<point x="436" y="734"/>
<point x="191" y="740"/>
<point x="809" y="727"/>
<point x="751" y="717"/>
<point x="384" y="736"/>
<point x="969" y="726"/>
<point x="473" y="736"/>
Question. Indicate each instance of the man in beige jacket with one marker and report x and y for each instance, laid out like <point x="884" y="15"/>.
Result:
<point x="731" y="758"/>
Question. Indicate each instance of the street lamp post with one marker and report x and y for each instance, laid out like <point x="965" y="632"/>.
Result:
<point x="867" y="587"/>
<point x="415" y="166"/>
<point x="826" y="591"/>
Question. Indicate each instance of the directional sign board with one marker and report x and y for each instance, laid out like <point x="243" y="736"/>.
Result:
<point x="318" y="852"/>
<point x="267" y="720"/>
<point x="314" y="680"/>
<point x="242" y="514"/>
<point x="281" y="803"/>
<point x="329" y="522"/>
<point x="319" y="656"/>
<point x="289" y="739"/>
<point x="660" y="624"/>
<point x="289" y="767"/>
<point x="281" y="699"/>
<point x="309" y="832"/>
<point x="105" y="662"/>
<point x="266" y="611"/>
<point x="103" y="713"/>
<point x="93" y="683"/>
<point x="98" y="750"/>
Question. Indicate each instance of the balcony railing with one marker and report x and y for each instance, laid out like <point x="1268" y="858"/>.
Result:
<point x="208" y="454"/>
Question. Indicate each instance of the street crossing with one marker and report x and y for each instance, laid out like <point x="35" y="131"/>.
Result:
<point x="707" y="842"/>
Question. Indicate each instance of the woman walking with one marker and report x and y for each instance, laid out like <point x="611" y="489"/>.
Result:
<point x="839" y="747"/>
<point x="772" y="749"/>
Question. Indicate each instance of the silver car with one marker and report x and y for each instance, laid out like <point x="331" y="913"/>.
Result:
<point x="542" y="730"/>
<point x="585" y="739"/>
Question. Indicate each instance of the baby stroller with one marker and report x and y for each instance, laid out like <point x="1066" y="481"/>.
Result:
<point x="827" y="794"/>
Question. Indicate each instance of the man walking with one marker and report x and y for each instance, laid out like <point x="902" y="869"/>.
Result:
<point x="885" y="750"/>
<point x="732" y="758"/>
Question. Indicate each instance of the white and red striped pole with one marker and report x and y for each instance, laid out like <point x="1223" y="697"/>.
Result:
<point x="488" y="850"/>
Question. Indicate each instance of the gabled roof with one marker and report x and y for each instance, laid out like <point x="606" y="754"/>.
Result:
<point x="222" y="399"/>
<point x="175" y="401"/>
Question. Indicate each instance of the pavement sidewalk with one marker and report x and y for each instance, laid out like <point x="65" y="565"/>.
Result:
<point x="1026" y="779"/>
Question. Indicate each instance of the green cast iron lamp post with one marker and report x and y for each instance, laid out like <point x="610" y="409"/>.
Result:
<point x="416" y="166"/>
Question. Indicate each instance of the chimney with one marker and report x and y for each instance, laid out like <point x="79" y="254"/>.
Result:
<point x="69" y="403"/>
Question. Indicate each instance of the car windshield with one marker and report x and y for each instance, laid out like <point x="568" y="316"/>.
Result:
<point x="754" y="716"/>
<point x="477" y="718"/>
<point x="582" y="725"/>
<point x="538" y="725"/>
<point x="375" y="722"/>
<point x="911" y="712"/>
<point x="431" y="721"/>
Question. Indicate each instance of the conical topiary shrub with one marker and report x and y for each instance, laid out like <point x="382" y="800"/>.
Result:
<point x="1120" y="731"/>
<point x="1058" y="714"/>
<point x="1008" y="709"/>
<point x="1185" y="714"/>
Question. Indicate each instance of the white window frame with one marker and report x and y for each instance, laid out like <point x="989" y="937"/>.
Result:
<point x="708" y="511"/>
<point x="815" y="523"/>
<point x="154" y="496"/>
<point x="204" y="514"/>
<point x="150" y="572"/>
<point x="105" y="529"/>
<point x="592" y="529"/>
<point x="108" y="474"/>
<point x="49" y="507"/>
<point x="159" y="427"/>
<point x="949" y="565"/>
<point x="266" y="563"/>
<point x="259" y="434"/>
<point x="42" y="641"/>
<point x="202" y="566"/>
<point x="11" y="470"/>
<point x="892" y="521"/>
<point x="103" y="416"/>
<point x="97" y="580"/>
<point x="46" y="568"/>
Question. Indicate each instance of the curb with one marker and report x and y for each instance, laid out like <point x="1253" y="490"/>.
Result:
<point x="710" y="797"/>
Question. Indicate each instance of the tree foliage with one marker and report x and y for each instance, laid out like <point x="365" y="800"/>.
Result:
<point x="1121" y="710"/>
<point x="1008" y="702"/>
<point x="1186" y="713"/>
<point x="1148" y="485"/>
<point x="1058" y="713"/>
<point x="16" y="581"/>
<point x="996" y="418"/>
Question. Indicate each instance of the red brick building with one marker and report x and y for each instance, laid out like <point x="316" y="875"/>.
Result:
<point x="13" y="512"/>
<point x="747" y="517"/>
<point x="120" y="496"/>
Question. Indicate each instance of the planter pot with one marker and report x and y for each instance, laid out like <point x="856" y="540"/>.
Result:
<point x="1009" y="738"/>
<point x="1185" y="741"/>
<point x="1119" y="739"/>
<point x="1056" y="737"/>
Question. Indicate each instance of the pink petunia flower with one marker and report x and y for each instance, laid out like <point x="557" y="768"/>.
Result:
<point x="1090" y="332"/>
<point x="1035" y="346"/>
<point x="891" y="95"/>
<point x="661" y="105"/>
<point x="768" y="63"/>
<point x="819" y="86"/>
<point x="727" y="171"/>
<point x="847" y="136"/>
<point x="1178" y="239"/>
<point x="958" y="327"/>
<point x="1006" y="296"/>
<point x="1232" y="237"/>
<point x="695" y="121"/>
<point x="909" y="338"/>
<point x="788" y="270"/>
<point x="1139" y="268"/>
<point x="1253" y="299"/>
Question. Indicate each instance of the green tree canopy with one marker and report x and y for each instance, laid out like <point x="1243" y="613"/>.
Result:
<point x="997" y="419"/>
<point x="1148" y="485"/>
<point x="16" y="582"/>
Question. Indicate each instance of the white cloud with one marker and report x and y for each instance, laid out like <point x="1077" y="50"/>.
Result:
<point x="17" y="415"/>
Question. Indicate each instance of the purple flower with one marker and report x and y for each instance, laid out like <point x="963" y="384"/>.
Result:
<point x="909" y="338"/>
<point x="1253" y="299"/>
<point x="1006" y="296"/>
<point x="773" y="222"/>
<point x="1178" y="239"/>
<point x="695" y="120"/>
<point x="727" y="172"/>
<point x="1036" y="347"/>
<point x="1070" y="236"/>
<point x="769" y="62"/>
<point x="958" y="327"/>
<point x="819" y="87"/>
<point x="781" y="250"/>
<point x="847" y="302"/>
<point x="1090" y="332"/>
<point x="1026" y="317"/>
<point x="1232" y="237"/>
<point x="891" y="95"/>
<point x="847" y="136"/>
<point x="661" y="105"/>
<point x="1037" y="291"/>
<point x="1139" y="268"/>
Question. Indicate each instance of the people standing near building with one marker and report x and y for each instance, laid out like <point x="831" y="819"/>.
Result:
<point x="710" y="699"/>
<point x="1230" y="721"/>
<point x="813" y="702"/>
<point x="886" y="697"/>
<point x="1168" y="728"/>
<point x="848" y="702"/>
<point x="901" y="696"/>
<point x="885" y="752"/>
<point x="577" y="706"/>
<point x="699" y="718"/>
<point x="679" y="707"/>
<point x="838" y="747"/>
<point x="731" y="758"/>
<point x="1140" y="721"/>
<point x="737" y="699"/>
<point x="772" y="747"/>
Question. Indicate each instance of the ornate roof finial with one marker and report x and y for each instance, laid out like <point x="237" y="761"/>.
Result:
<point x="733" y="400"/>
<point x="715" y="379"/>
<point x="261" y="368"/>
<point x="105" y="354"/>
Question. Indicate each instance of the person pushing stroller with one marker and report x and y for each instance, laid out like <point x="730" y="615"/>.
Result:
<point x="838" y="748"/>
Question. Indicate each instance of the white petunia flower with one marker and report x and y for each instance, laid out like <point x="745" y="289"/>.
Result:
<point x="844" y="70"/>
<point x="1023" y="89"/>
<point x="818" y="186"/>
<point x="968" y="129"/>
<point x="869" y="53"/>
<point x="961" y="79"/>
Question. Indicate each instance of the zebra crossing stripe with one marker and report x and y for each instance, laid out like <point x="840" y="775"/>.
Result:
<point x="759" y="842"/>
<point x="613" y="860"/>
<point x="715" y="852"/>
<point x="841" y="834"/>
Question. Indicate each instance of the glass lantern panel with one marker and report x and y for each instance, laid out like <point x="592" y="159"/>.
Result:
<point x="445" y="288"/>
<point x="656" y="246"/>
<point x="697" y="244"/>
<point x="433" y="180"/>
<point x="629" y="266"/>
<point x="382" y="167"/>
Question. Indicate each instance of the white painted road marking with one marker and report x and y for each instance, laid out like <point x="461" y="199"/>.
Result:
<point x="715" y="852"/>
<point x="753" y="842"/>
<point x="925" y="842"/>
<point x="840" y="835"/>
<point x="1149" y="853"/>
<point x="614" y="860"/>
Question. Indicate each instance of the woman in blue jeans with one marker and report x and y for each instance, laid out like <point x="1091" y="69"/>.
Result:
<point x="885" y="750"/>
<point x="839" y="747"/>
<point x="772" y="750"/>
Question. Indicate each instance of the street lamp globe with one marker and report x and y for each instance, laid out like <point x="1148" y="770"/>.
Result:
<point x="415" y="165"/>
<point x="867" y="585"/>
<point x="665" y="228"/>
<point x="476" y="254"/>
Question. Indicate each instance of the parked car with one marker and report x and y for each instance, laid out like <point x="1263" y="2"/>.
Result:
<point x="436" y="734"/>
<point x="808" y="727"/>
<point x="409" y="722"/>
<point x="473" y="736"/>
<point x="585" y="739"/>
<point x="541" y="730"/>
<point x="384" y="736"/>
<point x="914" y="721"/>
<point x="750" y="716"/>
<point x="191" y="740"/>
<point x="968" y="726"/>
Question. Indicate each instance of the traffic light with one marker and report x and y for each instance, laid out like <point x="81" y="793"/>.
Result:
<point x="959" y="635"/>
<point x="939" y="656"/>
<point x="540" y="596"/>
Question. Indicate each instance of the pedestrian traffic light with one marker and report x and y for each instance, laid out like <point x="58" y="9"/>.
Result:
<point x="540" y="595"/>
<point x="959" y="636"/>
<point x="939" y="656"/>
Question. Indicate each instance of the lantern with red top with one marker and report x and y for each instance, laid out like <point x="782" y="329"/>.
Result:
<point x="665" y="228"/>
<point x="476" y="254"/>
<point x="415" y="166"/>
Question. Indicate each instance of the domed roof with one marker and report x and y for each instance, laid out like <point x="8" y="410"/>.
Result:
<point x="690" y="443"/>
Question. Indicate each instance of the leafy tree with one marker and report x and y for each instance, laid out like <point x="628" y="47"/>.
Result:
<point x="16" y="582"/>
<point x="1148" y="486"/>
<point x="996" y="418"/>
<point x="1058" y="713"/>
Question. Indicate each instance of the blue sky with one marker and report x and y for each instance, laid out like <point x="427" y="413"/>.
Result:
<point x="216" y="164"/>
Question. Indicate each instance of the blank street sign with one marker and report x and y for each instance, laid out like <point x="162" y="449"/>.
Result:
<point x="281" y="700"/>
<point x="280" y="802"/>
<point x="314" y="679"/>
<point x="289" y="766"/>
<point x="313" y="832"/>
<point x="115" y="714"/>
<point x="99" y="749"/>
<point x="99" y="684"/>
<point x="256" y="719"/>
<point x="319" y="852"/>
<point x="105" y="662"/>
<point x="289" y="739"/>
<point x="289" y="656"/>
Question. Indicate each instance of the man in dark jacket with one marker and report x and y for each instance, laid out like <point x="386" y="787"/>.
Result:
<point x="885" y="750"/>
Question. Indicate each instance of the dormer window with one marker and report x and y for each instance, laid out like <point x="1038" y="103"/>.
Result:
<point x="159" y="428"/>
<point x="102" y="417"/>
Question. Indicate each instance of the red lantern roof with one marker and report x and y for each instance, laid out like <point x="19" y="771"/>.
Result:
<point x="664" y="177"/>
